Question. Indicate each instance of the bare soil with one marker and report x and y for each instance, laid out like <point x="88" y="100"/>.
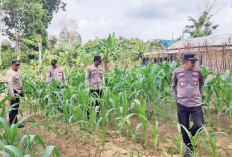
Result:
<point x="115" y="145"/>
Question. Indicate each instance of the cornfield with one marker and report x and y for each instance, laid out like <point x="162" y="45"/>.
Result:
<point x="134" y="103"/>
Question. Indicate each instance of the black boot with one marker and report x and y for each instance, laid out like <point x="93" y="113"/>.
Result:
<point x="60" y="109"/>
<point x="21" y="125"/>
<point x="189" y="151"/>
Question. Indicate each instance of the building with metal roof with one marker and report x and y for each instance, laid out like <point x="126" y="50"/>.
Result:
<point x="217" y="49"/>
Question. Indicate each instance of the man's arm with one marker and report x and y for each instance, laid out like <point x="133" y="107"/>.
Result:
<point x="9" y="79"/>
<point x="87" y="76"/>
<point x="48" y="76"/>
<point x="64" y="77"/>
<point x="174" y="85"/>
<point x="103" y="80"/>
<point x="201" y="81"/>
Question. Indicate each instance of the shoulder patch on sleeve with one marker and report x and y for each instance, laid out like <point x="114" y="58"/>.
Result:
<point x="88" y="69"/>
<point x="174" y="75"/>
<point x="9" y="74"/>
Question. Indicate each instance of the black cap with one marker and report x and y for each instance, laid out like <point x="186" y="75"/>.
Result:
<point x="97" y="58"/>
<point x="53" y="62"/>
<point x="15" y="61"/>
<point x="191" y="57"/>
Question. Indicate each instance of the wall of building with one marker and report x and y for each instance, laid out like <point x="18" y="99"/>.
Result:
<point x="214" y="57"/>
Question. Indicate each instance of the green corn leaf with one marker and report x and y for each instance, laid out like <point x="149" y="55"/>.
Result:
<point x="48" y="151"/>
<point x="14" y="150"/>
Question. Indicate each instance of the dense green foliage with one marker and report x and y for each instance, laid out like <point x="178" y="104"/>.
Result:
<point x="26" y="23"/>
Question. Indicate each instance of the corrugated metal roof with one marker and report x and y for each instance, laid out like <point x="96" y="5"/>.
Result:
<point x="213" y="40"/>
<point x="216" y="41"/>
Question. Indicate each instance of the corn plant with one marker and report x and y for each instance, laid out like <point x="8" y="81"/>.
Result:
<point x="209" y="142"/>
<point x="19" y="145"/>
<point x="143" y="93"/>
<point x="177" y="141"/>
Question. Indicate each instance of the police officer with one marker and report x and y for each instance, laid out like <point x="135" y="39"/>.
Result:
<point x="56" y="72"/>
<point x="95" y="79"/>
<point x="14" y="80"/>
<point x="187" y="86"/>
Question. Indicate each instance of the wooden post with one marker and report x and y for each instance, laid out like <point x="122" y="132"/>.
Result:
<point x="18" y="40"/>
<point x="40" y="54"/>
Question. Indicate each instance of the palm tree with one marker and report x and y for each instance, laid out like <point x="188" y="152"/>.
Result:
<point x="201" y="26"/>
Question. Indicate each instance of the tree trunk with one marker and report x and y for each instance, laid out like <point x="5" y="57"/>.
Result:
<point x="40" y="54"/>
<point x="18" y="40"/>
<point x="0" y="34"/>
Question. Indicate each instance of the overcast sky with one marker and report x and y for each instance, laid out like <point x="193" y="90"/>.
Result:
<point x="145" y="19"/>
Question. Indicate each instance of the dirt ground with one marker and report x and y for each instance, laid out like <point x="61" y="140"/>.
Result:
<point x="115" y="146"/>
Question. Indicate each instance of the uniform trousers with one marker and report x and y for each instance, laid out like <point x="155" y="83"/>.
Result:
<point x="13" y="113"/>
<point x="183" y="118"/>
<point x="95" y="94"/>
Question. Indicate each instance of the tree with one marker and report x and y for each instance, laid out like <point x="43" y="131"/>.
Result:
<point x="155" y="45"/>
<point x="7" y="53"/>
<point x="53" y="41"/>
<point x="13" y="20"/>
<point x="71" y="37"/>
<point x="27" y="21"/>
<point x="142" y="48"/>
<point x="108" y="47"/>
<point x="51" y="7"/>
<point x="33" y="20"/>
<point x="69" y="33"/>
<point x="210" y="6"/>
<point x="93" y="46"/>
<point x="201" y="26"/>
<point x="126" y="47"/>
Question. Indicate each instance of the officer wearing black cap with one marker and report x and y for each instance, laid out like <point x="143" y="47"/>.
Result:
<point x="56" y="72"/>
<point x="187" y="86"/>
<point x="14" y="80"/>
<point x="94" y="79"/>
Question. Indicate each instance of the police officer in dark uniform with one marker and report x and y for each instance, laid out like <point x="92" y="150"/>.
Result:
<point x="187" y="86"/>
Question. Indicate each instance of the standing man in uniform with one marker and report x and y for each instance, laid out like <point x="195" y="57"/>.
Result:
<point x="14" y="79"/>
<point x="95" y="79"/>
<point x="56" y="72"/>
<point x="187" y="86"/>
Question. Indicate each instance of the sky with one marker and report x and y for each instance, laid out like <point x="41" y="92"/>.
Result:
<point x="145" y="19"/>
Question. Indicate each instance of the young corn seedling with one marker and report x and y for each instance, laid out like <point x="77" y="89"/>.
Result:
<point x="154" y="136"/>
<point x="142" y="113"/>
<point x="177" y="141"/>
<point x="209" y="142"/>
<point x="12" y="143"/>
<point x="194" y="139"/>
